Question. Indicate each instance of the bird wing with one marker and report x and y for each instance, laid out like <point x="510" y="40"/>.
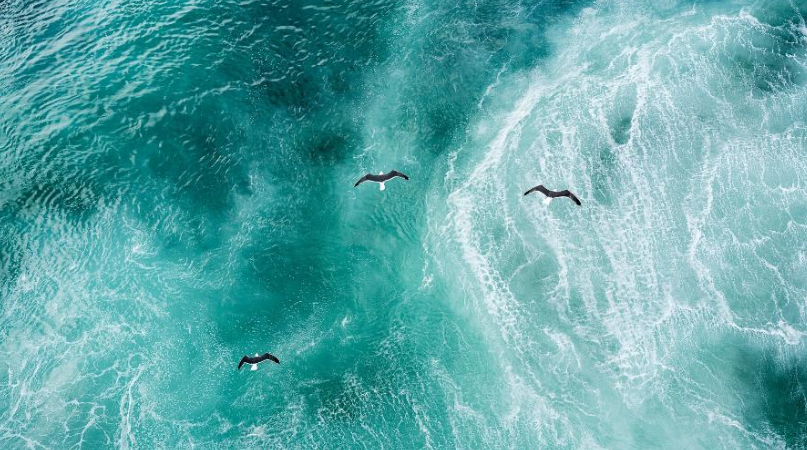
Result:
<point x="574" y="198"/>
<point x="243" y="360"/>
<point x="362" y="180"/>
<point x="272" y="357"/>
<point x="540" y="188"/>
<point x="395" y="173"/>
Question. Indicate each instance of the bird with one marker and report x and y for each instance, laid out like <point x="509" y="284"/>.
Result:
<point x="552" y="194"/>
<point x="254" y="360"/>
<point x="381" y="178"/>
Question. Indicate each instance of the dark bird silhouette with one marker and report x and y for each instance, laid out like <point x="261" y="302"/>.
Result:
<point x="381" y="178"/>
<point x="553" y="194"/>
<point x="254" y="360"/>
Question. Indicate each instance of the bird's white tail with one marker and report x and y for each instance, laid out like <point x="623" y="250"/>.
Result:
<point x="547" y="200"/>
<point x="254" y="367"/>
<point x="381" y="186"/>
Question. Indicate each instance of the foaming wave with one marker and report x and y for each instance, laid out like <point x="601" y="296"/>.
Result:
<point x="481" y="198"/>
<point x="670" y="128"/>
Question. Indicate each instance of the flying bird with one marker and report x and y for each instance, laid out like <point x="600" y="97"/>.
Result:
<point x="254" y="360"/>
<point x="553" y="194"/>
<point x="381" y="178"/>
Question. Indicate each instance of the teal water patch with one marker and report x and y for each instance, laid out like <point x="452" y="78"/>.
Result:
<point x="177" y="192"/>
<point x="774" y="387"/>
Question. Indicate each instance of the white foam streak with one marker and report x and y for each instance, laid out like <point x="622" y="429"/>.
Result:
<point x="126" y="438"/>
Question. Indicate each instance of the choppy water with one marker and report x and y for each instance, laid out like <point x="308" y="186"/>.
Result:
<point x="176" y="191"/>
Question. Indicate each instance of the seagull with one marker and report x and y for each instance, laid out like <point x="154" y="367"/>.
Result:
<point x="381" y="178"/>
<point x="254" y="360"/>
<point x="552" y="194"/>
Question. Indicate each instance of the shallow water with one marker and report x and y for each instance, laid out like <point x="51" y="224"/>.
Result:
<point x="177" y="192"/>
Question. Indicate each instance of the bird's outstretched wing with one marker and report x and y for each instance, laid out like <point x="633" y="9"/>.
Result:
<point x="574" y="198"/>
<point x="271" y="357"/>
<point x="395" y="173"/>
<point x="540" y="188"/>
<point x="243" y="360"/>
<point x="362" y="180"/>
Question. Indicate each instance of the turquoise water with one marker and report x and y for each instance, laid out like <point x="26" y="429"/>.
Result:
<point x="176" y="191"/>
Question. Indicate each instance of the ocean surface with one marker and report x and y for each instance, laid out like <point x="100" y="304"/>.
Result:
<point x="176" y="191"/>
